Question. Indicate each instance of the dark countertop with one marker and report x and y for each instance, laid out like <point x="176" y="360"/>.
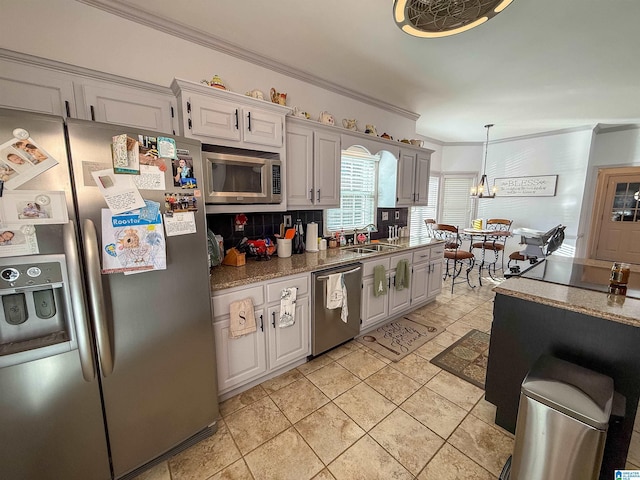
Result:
<point x="598" y="304"/>
<point x="225" y="276"/>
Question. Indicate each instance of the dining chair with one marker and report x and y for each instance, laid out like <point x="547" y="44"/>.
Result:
<point x="456" y="257"/>
<point x="494" y="243"/>
<point x="430" y="222"/>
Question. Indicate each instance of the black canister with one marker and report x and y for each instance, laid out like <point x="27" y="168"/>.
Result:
<point x="297" y="245"/>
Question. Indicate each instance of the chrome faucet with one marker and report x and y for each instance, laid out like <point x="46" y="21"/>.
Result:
<point x="369" y="228"/>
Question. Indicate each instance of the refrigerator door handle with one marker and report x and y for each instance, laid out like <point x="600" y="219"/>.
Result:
<point x="96" y="299"/>
<point x="78" y="305"/>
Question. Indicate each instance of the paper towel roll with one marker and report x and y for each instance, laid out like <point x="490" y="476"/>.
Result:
<point x="312" y="237"/>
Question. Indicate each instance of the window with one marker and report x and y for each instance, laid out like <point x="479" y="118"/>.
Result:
<point x="358" y="191"/>
<point x="457" y="206"/>
<point x="418" y="215"/>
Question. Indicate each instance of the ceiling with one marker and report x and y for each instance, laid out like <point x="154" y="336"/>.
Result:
<point x="539" y="66"/>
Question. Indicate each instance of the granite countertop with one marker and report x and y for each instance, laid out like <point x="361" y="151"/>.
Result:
<point x="597" y="304"/>
<point x="225" y="276"/>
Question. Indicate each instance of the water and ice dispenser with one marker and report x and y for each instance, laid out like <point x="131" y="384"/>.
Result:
<point x="35" y="314"/>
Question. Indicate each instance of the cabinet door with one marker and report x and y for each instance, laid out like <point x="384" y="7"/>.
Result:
<point x="435" y="278"/>
<point x="242" y="359"/>
<point x="399" y="300"/>
<point x="327" y="159"/>
<point x="374" y="309"/>
<point x="262" y="128"/>
<point x="291" y="343"/>
<point x="213" y="118"/>
<point x="419" y="283"/>
<point x="34" y="89"/>
<point x="299" y="166"/>
<point x="422" y="179"/>
<point x="128" y="106"/>
<point x="406" y="179"/>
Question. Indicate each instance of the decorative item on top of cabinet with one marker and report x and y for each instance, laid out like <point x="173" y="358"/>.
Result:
<point x="278" y="97"/>
<point x="298" y="112"/>
<point x="350" y="124"/>
<point x="215" y="82"/>
<point x="255" y="93"/>
<point x="326" y="118"/>
<point x="386" y="136"/>
<point x="231" y="119"/>
<point x="371" y="130"/>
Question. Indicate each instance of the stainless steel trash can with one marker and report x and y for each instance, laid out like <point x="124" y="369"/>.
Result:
<point x="563" y="416"/>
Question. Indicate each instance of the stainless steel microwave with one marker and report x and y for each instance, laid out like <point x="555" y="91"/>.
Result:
<point x="242" y="176"/>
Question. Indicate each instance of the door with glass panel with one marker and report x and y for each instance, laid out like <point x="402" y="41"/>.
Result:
<point x="619" y="232"/>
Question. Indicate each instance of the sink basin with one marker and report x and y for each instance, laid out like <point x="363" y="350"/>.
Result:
<point x="371" y="248"/>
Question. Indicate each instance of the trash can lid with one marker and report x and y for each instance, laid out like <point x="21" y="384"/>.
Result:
<point x="571" y="389"/>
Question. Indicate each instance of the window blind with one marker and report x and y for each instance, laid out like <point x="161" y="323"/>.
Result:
<point x="457" y="206"/>
<point x="358" y="177"/>
<point x="417" y="227"/>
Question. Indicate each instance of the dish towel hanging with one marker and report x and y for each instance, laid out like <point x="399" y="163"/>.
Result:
<point x="337" y="295"/>
<point x="242" y="319"/>
<point x="402" y="275"/>
<point x="379" y="281"/>
<point x="287" y="307"/>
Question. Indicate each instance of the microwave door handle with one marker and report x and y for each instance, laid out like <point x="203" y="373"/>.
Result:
<point x="78" y="306"/>
<point x="96" y="298"/>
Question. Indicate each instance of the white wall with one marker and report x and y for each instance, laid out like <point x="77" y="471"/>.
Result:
<point x="613" y="147"/>
<point x="74" y="33"/>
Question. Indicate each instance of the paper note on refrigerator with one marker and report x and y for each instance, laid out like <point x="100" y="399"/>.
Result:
<point x="19" y="241"/>
<point x="131" y="243"/>
<point x="180" y="224"/>
<point x="119" y="191"/>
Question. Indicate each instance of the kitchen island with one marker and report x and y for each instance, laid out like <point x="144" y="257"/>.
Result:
<point x="578" y="324"/>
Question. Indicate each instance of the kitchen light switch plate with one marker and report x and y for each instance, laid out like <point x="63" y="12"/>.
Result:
<point x="287" y="221"/>
<point x="397" y="215"/>
<point x="385" y="216"/>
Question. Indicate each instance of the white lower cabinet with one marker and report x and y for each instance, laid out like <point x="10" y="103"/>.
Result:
<point x="250" y="357"/>
<point x="424" y="284"/>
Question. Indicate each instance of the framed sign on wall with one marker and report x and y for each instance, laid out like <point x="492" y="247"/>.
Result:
<point x="543" y="186"/>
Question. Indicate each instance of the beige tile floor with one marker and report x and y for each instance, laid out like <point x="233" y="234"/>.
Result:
<point x="352" y="414"/>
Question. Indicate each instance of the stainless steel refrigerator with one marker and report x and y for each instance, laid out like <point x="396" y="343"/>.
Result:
<point x="101" y="375"/>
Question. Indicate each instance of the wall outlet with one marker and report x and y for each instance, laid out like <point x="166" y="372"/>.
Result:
<point x="287" y="221"/>
<point x="385" y="216"/>
<point x="397" y="215"/>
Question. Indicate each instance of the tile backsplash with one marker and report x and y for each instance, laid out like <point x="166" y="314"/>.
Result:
<point x="261" y="225"/>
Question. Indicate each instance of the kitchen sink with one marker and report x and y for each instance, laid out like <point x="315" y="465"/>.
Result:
<point x="371" y="248"/>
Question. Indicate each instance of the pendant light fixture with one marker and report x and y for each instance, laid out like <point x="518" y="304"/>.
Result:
<point x="441" y="18"/>
<point x="482" y="189"/>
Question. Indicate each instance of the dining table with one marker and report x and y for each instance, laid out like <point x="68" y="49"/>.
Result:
<point x="487" y="235"/>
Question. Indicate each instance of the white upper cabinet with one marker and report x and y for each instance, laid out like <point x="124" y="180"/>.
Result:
<point x="313" y="165"/>
<point x="127" y="105"/>
<point x="404" y="181"/>
<point x="58" y="89"/>
<point x="36" y="89"/>
<point x="220" y="117"/>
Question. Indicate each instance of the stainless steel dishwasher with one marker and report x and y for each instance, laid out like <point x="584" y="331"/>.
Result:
<point x="327" y="328"/>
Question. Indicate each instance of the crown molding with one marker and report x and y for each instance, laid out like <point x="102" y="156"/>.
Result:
<point x="185" y="32"/>
<point x="27" y="59"/>
<point x="603" y="128"/>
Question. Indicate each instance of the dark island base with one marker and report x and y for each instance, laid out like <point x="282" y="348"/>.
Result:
<point x="523" y="330"/>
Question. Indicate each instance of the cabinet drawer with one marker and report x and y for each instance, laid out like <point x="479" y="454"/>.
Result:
<point x="367" y="268"/>
<point x="437" y="252"/>
<point x="421" y="255"/>
<point x="301" y="282"/>
<point x="222" y="300"/>
<point x="396" y="258"/>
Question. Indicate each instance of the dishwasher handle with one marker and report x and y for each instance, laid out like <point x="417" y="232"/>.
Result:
<point x="326" y="277"/>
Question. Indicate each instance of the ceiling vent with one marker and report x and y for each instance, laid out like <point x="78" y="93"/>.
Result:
<point x="441" y="18"/>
